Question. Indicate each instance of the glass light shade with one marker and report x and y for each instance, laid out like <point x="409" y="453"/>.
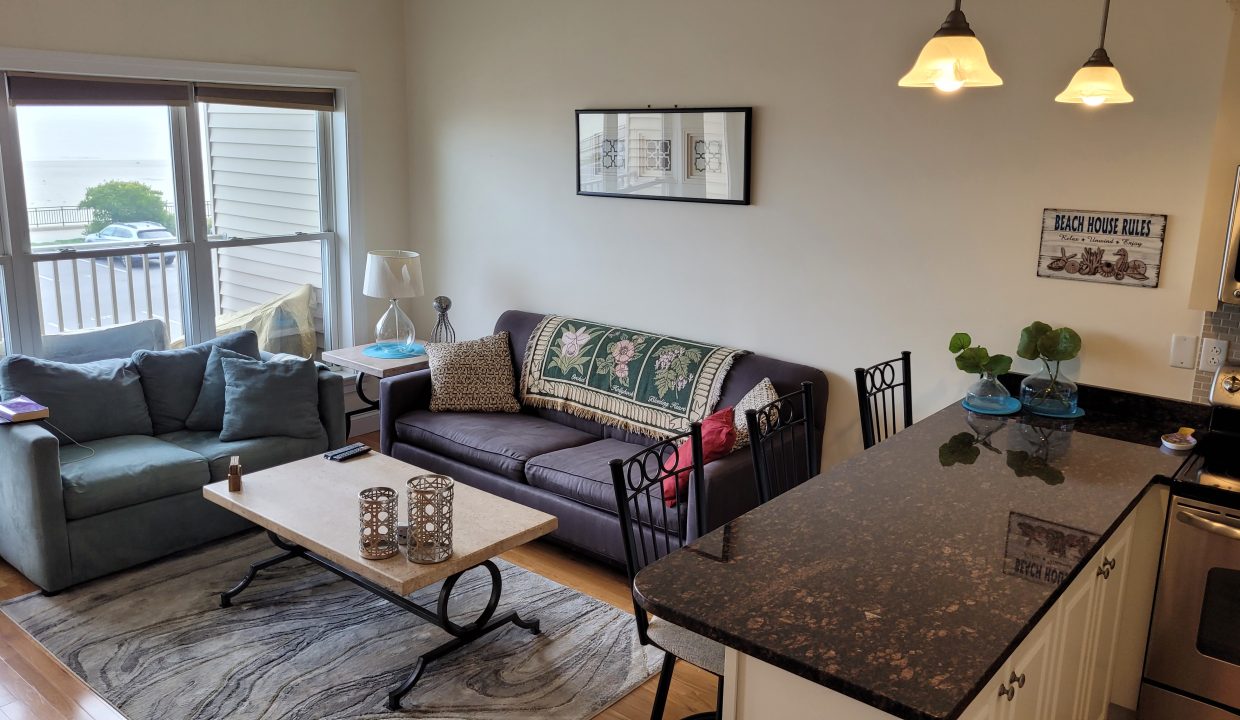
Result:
<point x="950" y="62"/>
<point x="394" y="333"/>
<point x="1095" y="85"/>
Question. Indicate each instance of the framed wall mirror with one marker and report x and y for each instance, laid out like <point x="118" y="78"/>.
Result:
<point x="686" y="154"/>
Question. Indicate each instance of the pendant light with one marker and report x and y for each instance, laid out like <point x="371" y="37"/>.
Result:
<point x="1097" y="82"/>
<point x="952" y="59"/>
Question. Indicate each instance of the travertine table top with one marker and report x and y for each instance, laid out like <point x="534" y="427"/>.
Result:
<point x="313" y="503"/>
<point x="354" y="359"/>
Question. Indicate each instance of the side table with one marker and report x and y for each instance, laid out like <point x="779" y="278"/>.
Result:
<point x="353" y="359"/>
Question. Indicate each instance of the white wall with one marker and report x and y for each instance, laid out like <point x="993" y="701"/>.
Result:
<point x="883" y="219"/>
<point x="366" y="37"/>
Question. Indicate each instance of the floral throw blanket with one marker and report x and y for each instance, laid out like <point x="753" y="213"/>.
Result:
<point x="651" y="384"/>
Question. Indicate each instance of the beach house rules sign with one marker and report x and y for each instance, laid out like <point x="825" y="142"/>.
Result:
<point x="1104" y="247"/>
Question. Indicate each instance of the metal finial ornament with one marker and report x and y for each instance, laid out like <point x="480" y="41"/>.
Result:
<point x="443" y="331"/>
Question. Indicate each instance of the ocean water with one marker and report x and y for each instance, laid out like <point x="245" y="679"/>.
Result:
<point x="51" y="183"/>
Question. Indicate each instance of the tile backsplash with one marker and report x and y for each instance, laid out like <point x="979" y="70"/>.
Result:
<point x="1223" y="324"/>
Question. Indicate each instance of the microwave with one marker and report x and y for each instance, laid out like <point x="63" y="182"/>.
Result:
<point x="1229" y="284"/>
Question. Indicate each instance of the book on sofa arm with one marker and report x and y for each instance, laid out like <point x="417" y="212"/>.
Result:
<point x="22" y="409"/>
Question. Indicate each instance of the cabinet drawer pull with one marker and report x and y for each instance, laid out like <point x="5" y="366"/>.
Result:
<point x="1104" y="569"/>
<point x="1017" y="680"/>
<point x="1007" y="692"/>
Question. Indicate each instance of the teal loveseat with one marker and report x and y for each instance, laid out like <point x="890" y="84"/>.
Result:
<point x="132" y="494"/>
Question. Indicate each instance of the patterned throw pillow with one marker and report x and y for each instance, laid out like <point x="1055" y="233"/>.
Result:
<point x="472" y="376"/>
<point x="762" y="394"/>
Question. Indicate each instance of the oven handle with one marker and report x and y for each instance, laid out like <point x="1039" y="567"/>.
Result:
<point x="1188" y="517"/>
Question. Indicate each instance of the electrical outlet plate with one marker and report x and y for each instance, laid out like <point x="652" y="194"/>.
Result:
<point x="1184" y="351"/>
<point x="1213" y="354"/>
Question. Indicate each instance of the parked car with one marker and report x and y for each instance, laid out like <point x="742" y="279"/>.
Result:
<point x="134" y="233"/>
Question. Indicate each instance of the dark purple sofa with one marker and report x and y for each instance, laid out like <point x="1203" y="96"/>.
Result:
<point x="556" y="462"/>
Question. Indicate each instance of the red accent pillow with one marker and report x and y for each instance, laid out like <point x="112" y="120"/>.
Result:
<point x="718" y="437"/>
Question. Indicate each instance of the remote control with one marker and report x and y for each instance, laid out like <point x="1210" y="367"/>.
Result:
<point x="332" y="453"/>
<point x="350" y="453"/>
<point x="347" y="452"/>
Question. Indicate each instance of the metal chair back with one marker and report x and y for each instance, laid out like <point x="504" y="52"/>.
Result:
<point x="781" y="438"/>
<point x="651" y="528"/>
<point x="885" y="396"/>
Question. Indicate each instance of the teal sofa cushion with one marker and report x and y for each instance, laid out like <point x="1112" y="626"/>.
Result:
<point x="125" y="471"/>
<point x="255" y="453"/>
<point x="279" y="397"/>
<point x="208" y="412"/>
<point x="87" y="401"/>
<point x="117" y="341"/>
<point x="172" y="379"/>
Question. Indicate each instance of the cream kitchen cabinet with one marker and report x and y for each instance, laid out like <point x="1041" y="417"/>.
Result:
<point x="1066" y="668"/>
<point x="1024" y="688"/>
<point x="1068" y="663"/>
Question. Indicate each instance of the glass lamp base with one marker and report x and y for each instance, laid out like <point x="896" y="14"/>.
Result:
<point x="394" y="351"/>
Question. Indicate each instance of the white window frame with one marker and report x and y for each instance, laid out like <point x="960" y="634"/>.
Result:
<point x="339" y="160"/>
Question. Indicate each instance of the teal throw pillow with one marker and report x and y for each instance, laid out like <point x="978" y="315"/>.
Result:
<point x="87" y="401"/>
<point x="208" y="412"/>
<point x="266" y="399"/>
<point x="172" y="379"/>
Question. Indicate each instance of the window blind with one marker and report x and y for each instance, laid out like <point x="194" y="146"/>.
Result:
<point x="266" y="96"/>
<point x="42" y="89"/>
<point x="47" y="89"/>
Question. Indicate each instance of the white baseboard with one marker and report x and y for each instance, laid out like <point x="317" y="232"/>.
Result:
<point x="362" y="424"/>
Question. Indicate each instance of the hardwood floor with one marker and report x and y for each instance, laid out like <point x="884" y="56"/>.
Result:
<point x="35" y="686"/>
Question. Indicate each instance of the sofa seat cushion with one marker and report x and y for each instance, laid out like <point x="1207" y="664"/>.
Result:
<point x="581" y="473"/>
<point x="256" y="453"/>
<point x="499" y="442"/>
<point x="127" y="470"/>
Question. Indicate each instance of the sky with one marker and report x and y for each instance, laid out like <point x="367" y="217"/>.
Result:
<point x="67" y="149"/>
<point x="98" y="133"/>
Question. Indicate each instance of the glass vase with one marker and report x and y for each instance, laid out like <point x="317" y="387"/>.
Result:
<point x="988" y="395"/>
<point x="1049" y="393"/>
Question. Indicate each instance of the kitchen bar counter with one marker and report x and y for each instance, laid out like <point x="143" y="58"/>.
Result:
<point x="905" y="576"/>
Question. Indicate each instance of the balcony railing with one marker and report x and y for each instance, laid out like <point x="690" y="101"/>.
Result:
<point x="68" y="216"/>
<point x="108" y="288"/>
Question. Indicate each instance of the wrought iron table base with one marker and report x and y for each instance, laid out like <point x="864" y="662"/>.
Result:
<point x="367" y="406"/>
<point x="462" y="635"/>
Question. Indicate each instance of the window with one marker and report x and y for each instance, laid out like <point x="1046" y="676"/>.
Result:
<point x="262" y="171"/>
<point x="117" y="232"/>
<point x="89" y="168"/>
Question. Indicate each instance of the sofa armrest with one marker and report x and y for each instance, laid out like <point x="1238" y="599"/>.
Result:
<point x="331" y="407"/>
<point x="730" y="488"/>
<point x="34" y="535"/>
<point x="398" y="395"/>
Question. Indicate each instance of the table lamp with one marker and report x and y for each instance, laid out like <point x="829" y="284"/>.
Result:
<point x="393" y="274"/>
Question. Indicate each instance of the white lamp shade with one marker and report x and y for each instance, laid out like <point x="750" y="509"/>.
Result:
<point x="1095" y="85"/>
<point x="950" y="62"/>
<point x="393" y="274"/>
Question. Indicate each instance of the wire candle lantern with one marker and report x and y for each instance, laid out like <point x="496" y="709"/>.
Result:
<point x="377" y="515"/>
<point x="430" y="519"/>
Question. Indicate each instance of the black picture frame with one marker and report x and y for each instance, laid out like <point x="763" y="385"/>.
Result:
<point x="672" y="151"/>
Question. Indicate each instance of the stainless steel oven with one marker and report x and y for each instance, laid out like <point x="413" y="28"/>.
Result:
<point x="1192" y="666"/>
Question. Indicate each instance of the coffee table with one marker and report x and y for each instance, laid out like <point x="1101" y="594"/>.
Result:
<point x="310" y="511"/>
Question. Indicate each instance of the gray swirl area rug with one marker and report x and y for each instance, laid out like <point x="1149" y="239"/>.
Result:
<point x="301" y="643"/>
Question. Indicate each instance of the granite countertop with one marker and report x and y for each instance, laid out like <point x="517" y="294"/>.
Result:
<point x="897" y="577"/>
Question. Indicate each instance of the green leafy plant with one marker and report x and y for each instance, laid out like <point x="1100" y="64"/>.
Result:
<point x="976" y="359"/>
<point x="119" y="201"/>
<point x="1039" y="341"/>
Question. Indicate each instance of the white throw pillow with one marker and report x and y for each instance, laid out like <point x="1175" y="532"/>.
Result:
<point x="761" y="395"/>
